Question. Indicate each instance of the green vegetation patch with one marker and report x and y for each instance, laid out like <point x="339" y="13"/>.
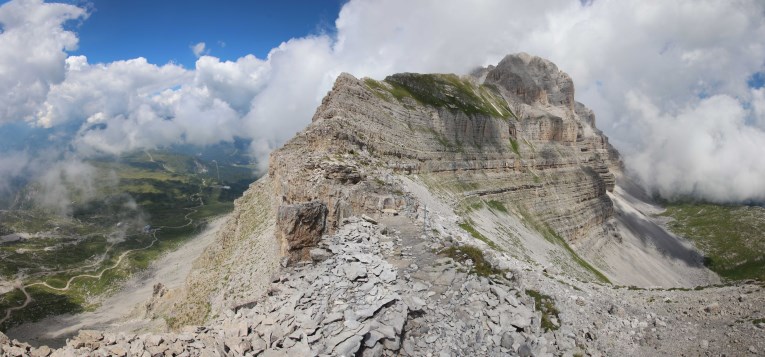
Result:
<point x="381" y="88"/>
<point x="497" y="206"/>
<point x="731" y="237"/>
<point x="468" y="227"/>
<point x="546" y="305"/>
<point x="463" y="185"/>
<point x="480" y="266"/>
<point x="377" y="88"/>
<point x="515" y="147"/>
<point x="175" y="194"/>
<point x="474" y="206"/>
<point x="43" y="304"/>
<point x="446" y="90"/>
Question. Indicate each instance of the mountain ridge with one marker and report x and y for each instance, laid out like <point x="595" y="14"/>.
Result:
<point x="371" y="233"/>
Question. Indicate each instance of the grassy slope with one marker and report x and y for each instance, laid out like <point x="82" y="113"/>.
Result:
<point x="731" y="237"/>
<point x="443" y="90"/>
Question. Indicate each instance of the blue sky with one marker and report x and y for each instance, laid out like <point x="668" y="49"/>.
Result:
<point x="163" y="31"/>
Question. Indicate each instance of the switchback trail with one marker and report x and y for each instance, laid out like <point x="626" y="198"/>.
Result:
<point x="28" y="300"/>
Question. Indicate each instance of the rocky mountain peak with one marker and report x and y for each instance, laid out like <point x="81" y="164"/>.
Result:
<point x="533" y="80"/>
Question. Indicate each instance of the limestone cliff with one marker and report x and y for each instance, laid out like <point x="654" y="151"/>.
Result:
<point x="511" y="134"/>
<point x="518" y="137"/>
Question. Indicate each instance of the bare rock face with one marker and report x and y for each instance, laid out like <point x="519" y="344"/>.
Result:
<point x="533" y="80"/>
<point x="300" y="226"/>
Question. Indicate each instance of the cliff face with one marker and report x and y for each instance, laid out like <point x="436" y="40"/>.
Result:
<point x="516" y="136"/>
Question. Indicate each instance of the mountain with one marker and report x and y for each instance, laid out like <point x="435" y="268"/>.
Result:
<point x="452" y="215"/>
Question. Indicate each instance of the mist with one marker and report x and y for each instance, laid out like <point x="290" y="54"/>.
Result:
<point x="67" y="183"/>
<point x="52" y="181"/>
<point x="670" y="82"/>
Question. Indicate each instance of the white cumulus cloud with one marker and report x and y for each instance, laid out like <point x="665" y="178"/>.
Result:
<point x="199" y="49"/>
<point x="32" y="54"/>
<point x="667" y="80"/>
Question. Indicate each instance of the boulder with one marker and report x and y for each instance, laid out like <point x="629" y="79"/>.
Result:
<point x="342" y="172"/>
<point x="42" y="351"/>
<point x="318" y="254"/>
<point x="354" y="271"/>
<point x="299" y="227"/>
<point x="507" y="340"/>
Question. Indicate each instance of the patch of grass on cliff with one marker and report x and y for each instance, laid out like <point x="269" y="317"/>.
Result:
<point x="449" y="91"/>
<point x="194" y="313"/>
<point x="469" y="205"/>
<point x="515" y="147"/>
<point x="546" y="305"/>
<point x="442" y="140"/>
<point x="397" y="91"/>
<point x="480" y="266"/>
<point x="400" y="92"/>
<point x="551" y="236"/>
<point x="530" y="145"/>
<point x="377" y="88"/>
<point x="475" y="206"/>
<point x="497" y="206"/>
<point x="462" y="185"/>
<point x="731" y="237"/>
<point x="468" y="227"/>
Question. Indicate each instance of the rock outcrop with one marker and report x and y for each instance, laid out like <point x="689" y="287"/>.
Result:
<point x="300" y="227"/>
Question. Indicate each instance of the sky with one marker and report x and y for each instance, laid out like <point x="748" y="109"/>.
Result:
<point x="164" y="31"/>
<point x="676" y="85"/>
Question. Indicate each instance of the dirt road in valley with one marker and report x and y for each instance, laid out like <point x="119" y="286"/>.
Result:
<point x="170" y="270"/>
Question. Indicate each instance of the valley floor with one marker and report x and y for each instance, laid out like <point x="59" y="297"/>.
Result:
<point x="122" y="311"/>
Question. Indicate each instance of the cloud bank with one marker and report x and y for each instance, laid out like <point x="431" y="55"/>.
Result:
<point x="33" y="48"/>
<point x="668" y="80"/>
